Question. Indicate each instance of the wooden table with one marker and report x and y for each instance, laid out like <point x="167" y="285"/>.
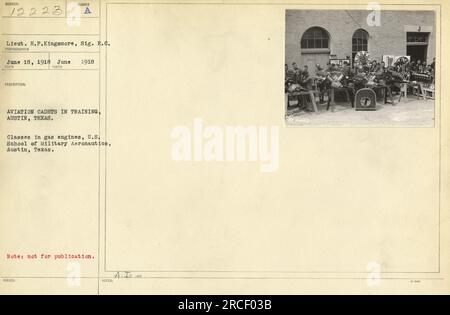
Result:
<point x="331" y="91"/>
<point x="386" y="92"/>
<point x="300" y="95"/>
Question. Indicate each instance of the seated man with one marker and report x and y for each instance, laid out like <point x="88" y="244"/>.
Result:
<point x="323" y="84"/>
<point x="289" y="77"/>
<point x="297" y="72"/>
<point x="373" y="66"/>
<point x="381" y="71"/>
<point x="412" y="66"/>
<point x="320" y="72"/>
<point x="347" y="72"/>
<point x="419" y="66"/>
<point x="394" y="77"/>
<point x="432" y="65"/>
<point x="339" y="83"/>
<point x="359" y="79"/>
<point x="392" y="81"/>
<point x="305" y="80"/>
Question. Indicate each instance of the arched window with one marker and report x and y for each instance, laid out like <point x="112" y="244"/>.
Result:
<point x="360" y="42"/>
<point x="315" y="37"/>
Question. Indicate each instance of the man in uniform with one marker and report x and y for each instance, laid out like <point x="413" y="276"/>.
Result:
<point x="296" y="73"/>
<point x="305" y="79"/>
<point x="323" y="84"/>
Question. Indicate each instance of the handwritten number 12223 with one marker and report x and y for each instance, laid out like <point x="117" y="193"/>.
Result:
<point x="44" y="11"/>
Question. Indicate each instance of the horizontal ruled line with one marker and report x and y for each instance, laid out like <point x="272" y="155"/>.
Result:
<point x="50" y="69"/>
<point x="52" y="52"/>
<point x="5" y="34"/>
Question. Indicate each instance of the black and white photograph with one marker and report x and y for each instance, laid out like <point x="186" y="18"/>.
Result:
<point x="360" y="68"/>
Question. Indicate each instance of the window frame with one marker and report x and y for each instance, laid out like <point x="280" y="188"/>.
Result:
<point x="315" y="39"/>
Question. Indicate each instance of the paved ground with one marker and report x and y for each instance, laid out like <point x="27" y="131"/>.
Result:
<point x="409" y="112"/>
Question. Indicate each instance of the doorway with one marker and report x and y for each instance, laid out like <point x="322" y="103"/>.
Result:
<point x="417" y="52"/>
<point x="417" y="45"/>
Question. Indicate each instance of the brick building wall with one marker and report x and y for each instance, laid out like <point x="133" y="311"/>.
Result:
<point x="387" y="39"/>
